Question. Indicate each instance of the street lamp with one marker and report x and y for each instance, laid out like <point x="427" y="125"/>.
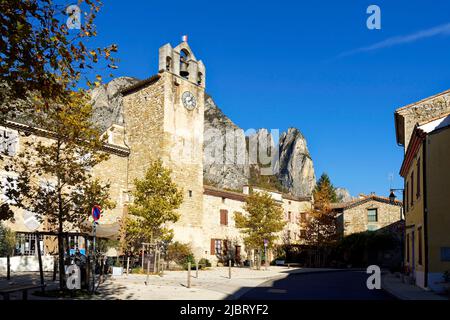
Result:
<point x="392" y="201"/>
<point x="392" y="197"/>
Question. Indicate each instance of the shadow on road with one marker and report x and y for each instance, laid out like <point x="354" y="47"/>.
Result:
<point x="326" y="285"/>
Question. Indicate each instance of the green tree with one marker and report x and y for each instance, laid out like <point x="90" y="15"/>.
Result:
<point x="325" y="190"/>
<point x="155" y="200"/>
<point x="321" y="226"/>
<point x="263" y="221"/>
<point x="55" y="178"/>
<point x="41" y="58"/>
<point x="7" y="241"/>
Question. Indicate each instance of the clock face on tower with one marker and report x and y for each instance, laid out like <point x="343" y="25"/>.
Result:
<point x="188" y="100"/>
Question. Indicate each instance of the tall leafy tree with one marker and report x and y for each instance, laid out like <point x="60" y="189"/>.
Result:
<point x="321" y="225"/>
<point x="45" y="53"/>
<point x="54" y="168"/>
<point x="264" y="220"/>
<point x="155" y="200"/>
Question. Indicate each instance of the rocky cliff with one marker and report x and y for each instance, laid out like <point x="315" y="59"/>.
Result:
<point x="295" y="168"/>
<point x="292" y="172"/>
<point x="107" y="102"/>
<point x="343" y="195"/>
<point x="225" y="164"/>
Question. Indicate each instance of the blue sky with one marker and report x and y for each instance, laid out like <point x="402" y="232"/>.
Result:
<point x="283" y="64"/>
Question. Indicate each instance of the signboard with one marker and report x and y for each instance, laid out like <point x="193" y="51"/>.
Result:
<point x="31" y="220"/>
<point x="96" y="212"/>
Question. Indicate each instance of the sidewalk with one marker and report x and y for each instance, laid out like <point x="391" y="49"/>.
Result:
<point x="394" y="286"/>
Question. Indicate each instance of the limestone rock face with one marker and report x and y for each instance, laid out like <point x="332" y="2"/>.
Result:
<point x="295" y="168"/>
<point x="292" y="172"/>
<point x="343" y="195"/>
<point x="107" y="102"/>
<point x="225" y="163"/>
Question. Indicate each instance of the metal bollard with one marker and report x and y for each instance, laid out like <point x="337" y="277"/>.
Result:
<point x="196" y="269"/>
<point x="229" y="269"/>
<point x="189" y="275"/>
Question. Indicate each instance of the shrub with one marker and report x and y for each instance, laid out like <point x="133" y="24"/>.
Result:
<point x="204" y="263"/>
<point x="181" y="254"/>
<point x="190" y="258"/>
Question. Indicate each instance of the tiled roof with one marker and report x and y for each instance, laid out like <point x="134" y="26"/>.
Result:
<point x="140" y="84"/>
<point x="213" y="191"/>
<point x="118" y="150"/>
<point x="364" y="199"/>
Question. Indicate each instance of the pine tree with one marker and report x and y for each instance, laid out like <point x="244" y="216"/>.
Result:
<point x="324" y="190"/>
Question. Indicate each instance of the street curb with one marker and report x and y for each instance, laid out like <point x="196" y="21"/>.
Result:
<point x="389" y="289"/>
<point x="400" y="296"/>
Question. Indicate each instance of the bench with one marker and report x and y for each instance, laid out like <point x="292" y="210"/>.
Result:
<point x="5" y="292"/>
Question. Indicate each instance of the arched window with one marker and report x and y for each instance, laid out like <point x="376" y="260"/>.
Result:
<point x="168" y="63"/>
<point x="199" y="78"/>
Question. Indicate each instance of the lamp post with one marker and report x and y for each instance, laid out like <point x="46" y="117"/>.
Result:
<point x="392" y="201"/>
<point x="392" y="197"/>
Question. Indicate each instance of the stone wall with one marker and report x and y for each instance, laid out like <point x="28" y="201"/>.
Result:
<point x="421" y="111"/>
<point x="292" y="215"/>
<point x="356" y="220"/>
<point x="213" y="229"/>
<point x="114" y="172"/>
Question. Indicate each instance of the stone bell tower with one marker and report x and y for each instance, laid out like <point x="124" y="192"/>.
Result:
<point x="164" y="117"/>
<point x="182" y="62"/>
<point x="184" y="89"/>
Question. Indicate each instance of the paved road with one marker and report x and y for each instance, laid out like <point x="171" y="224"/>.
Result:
<point x="340" y="285"/>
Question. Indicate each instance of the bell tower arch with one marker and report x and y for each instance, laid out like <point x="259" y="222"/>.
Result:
<point x="181" y="61"/>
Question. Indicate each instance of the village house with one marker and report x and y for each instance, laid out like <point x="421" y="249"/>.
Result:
<point x="367" y="213"/>
<point x="423" y="129"/>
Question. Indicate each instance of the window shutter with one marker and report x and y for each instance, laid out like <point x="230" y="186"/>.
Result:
<point x="224" y="217"/>
<point x="213" y="247"/>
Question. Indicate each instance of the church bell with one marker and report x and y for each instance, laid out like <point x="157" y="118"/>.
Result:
<point x="184" y="69"/>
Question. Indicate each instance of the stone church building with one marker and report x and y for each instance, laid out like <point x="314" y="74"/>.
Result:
<point x="163" y="117"/>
